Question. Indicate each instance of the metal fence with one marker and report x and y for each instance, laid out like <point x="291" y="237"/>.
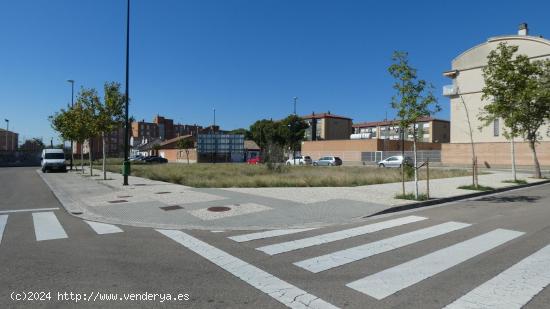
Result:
<point x="422" y="155"/>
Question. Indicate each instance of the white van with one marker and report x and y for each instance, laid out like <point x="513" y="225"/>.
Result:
<point x="53" y="159"/>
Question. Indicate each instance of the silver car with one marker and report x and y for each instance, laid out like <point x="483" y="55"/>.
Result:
<point x="394" y="161"/>
<point x="328" y="161"/>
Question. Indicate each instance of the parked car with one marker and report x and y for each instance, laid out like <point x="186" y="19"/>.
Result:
<point x="394" y="161"/>
<point x="328" y="161"/>
<point x="299" y="160"/>
<point x="254" y="160"/>
<point x="53" y="159"/>
<point x="155" y="159"/>
<point x="136" y="158"/>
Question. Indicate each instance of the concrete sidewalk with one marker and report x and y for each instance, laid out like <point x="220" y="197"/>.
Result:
<point x="142" y="202"/>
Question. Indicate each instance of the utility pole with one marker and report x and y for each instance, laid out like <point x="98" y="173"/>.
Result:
<point x="126" y="164"/>
<point x="72" y="105"/>
<point x="7" y="129"/>
<point x="295" y="98"/>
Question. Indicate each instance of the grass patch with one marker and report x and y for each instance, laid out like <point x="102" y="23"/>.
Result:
<point x="478" y="188"/>
<point x="410" y="196"/>
<point x="227" y="175"/>
<point x="517" y="181"/>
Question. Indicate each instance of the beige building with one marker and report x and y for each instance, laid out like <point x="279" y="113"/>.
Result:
<point x="466" y="89"/>
<point x="326" y="126"/>
<point x="8" y="141"/>
<point x="430" y="130"/>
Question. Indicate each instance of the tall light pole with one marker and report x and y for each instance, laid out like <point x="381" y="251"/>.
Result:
<point x="72" y="105"/>
<point x="295" y="98"/>
<point x="214" y="137"/>
<point x="126" y="164"/>
<point x="7" y="129"/>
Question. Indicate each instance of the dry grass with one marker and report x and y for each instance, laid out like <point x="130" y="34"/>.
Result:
<point x="242" y="175"/>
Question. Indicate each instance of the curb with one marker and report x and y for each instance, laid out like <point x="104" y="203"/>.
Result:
<point x="454" y="198"/>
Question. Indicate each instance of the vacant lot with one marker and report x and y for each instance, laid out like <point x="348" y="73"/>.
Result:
<point x="242" y="175"/>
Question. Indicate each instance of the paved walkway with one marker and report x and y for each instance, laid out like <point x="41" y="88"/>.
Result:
<point x="144" y="202"/>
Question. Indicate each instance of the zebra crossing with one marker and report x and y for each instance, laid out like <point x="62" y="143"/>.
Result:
<point x="47" y="226"/>
<point x="511" y="288"/>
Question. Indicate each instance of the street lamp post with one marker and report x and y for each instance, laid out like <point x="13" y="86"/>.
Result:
<point x="215" y="158"/>
<point x="295" y="98"/>
<point x="72" y="105"/>
<point x="126" y="164"/>
<point x="7" y="129"/>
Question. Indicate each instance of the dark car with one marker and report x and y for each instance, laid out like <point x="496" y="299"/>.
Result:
<point x="155" y="159"/>
<point x="328" y="161"/>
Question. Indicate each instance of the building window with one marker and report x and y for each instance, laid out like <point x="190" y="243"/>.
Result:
<point x="496" y="127"/>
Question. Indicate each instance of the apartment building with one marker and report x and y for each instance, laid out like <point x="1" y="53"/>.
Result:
<point x="8" y="141"/>
<point x="429" y="130"/>
<point x="327" y="126"/>
<point x="465" y="94"/>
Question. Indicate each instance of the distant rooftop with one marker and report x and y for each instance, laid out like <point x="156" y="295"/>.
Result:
<point x="324" y="115"/>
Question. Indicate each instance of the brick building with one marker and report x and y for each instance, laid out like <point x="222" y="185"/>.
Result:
<point x="326" y="126"/>
<point x="430" y="130"/>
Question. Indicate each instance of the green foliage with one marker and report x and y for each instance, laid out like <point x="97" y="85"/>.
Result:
<point x="293" y="129"/>
<point x="517" y="181"/>
<point x="242" y="131"/>
<point x="476" y="188"/>
<point x="185" y="143"/>
<point x="518" y="91"/>
<point x="414" y="98"/>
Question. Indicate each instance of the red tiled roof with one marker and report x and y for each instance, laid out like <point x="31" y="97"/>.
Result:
<point x="391" y="122"/>
<point x="324" y="115"/>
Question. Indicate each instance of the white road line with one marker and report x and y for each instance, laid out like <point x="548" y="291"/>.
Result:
<point x="46" y="226"/>
<point x="391" y="280"/>
<point x="514" y="287"/>
<point x="280" y="290"/>
<point x="339" y="258"/>
<point x="267" y="234"/>
<point x="26" y="210"/>
<point x="335" y="236"/>
<point x="3" y="222"/>
<point x="103" y="228"/>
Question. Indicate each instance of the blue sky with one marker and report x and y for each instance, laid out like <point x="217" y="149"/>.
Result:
<point x="246" y="58"/>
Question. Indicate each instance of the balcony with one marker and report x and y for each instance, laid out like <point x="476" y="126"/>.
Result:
<point x="450" y="90"/>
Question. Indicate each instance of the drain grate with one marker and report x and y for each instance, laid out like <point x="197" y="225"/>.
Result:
<point x="174" y="207"/>
<point x="162" y="192"/>
<point x="118" y="201"/>
<point x="219" y="208"/>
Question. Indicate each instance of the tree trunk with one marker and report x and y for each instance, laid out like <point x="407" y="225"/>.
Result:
<point x="474" y="174"/>
<point x="82" y="157"/>
<point x="403" y="165"/>
<point x="90" y="156"/>
<point x="187" y="154"/>
<point x="104" y="156"/>
<point x="415" y="166"/>
<point x="535" y="159"/>
<point x="513" y="149"/>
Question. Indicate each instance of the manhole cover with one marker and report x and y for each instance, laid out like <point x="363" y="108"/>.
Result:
<point x="118" y="201"/>
<point x="76" y="212"/>
<point x="174" y="207"/>
<point x="219" y="208"/>
<point x="163" y="192"/>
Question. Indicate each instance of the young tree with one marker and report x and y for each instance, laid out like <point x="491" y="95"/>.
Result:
<point x="186" y="144"/>
<point x="414" y="100"/>
<point x="518" y="92"/>
<point x="89" y="100"/>
<point x="110" y="115"/>
<point x="293" y="129"/>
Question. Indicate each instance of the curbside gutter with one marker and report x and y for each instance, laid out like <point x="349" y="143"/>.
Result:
<point x="444" y="200"/>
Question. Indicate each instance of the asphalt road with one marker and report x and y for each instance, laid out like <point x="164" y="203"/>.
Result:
<point x="420" y="260"/>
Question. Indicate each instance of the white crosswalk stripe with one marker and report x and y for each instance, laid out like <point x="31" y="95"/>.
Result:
<point x="512" y="288"/>
<point x="46" y="226"/>
<point x="280" y="290"/>
<point x="3" y="222"/>
<point x="103" y="228"/>
<point x="339" y="258"/>
<point x="383" y="284"/>
<point x="267" y="234"/>
<point x="335" y="236"/>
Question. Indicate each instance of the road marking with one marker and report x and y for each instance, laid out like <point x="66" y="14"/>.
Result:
<point x="267" y="234"/>
<point x="26" y="210"/>
<point x="391" y="280"/>
<point x="3" y="222"/>
<point x="46" y="226"/>
<point x="103" y="228"/>
<point x="514" y="287"/>
<point x="335" y="236"/>
<point x="339" y="258"/>
<point x="280" y="290"/>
